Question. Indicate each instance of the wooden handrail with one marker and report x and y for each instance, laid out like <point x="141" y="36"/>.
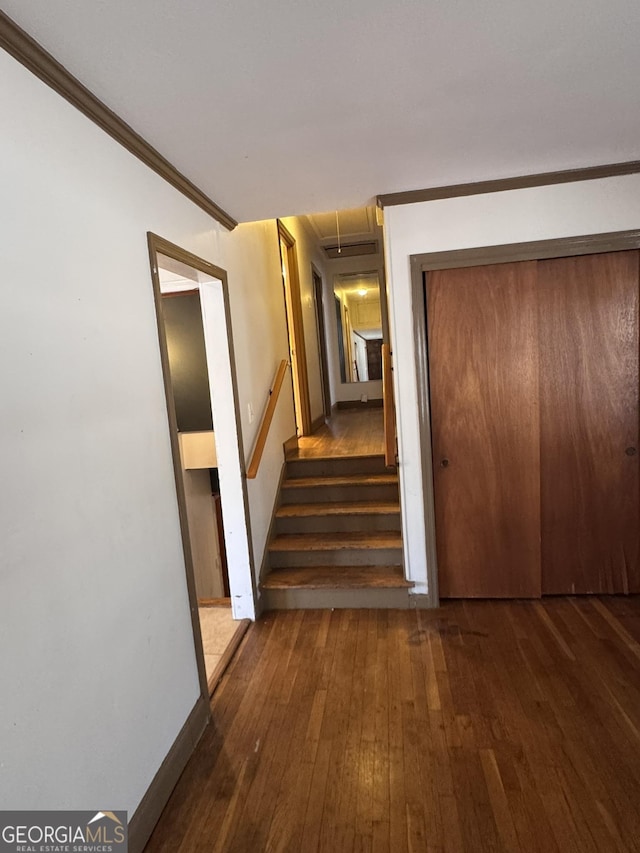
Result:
<point x="388" y="409"/>
<point x="263" y="432"/>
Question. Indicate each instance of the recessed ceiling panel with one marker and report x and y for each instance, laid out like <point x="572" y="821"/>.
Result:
<point x="349" y="223"/>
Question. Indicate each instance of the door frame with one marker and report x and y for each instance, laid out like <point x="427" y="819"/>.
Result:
<point x="295" y="328"/>
<point x="318" y="299"/>
<point x="588" y="244"/>
<point x="214" y="296"/>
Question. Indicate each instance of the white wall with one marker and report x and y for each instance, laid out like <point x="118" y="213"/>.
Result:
<point x="564" y="210"/>
<point x="97" y="663"/>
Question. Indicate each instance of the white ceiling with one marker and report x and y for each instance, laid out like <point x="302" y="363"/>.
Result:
<point x="286" y="107"/>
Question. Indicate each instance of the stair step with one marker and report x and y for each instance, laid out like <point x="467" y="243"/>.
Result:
<point x="341" y="489"/>
<point x="345" y="480"/>
<point x="337" y="537"/>
<point x="337" y="577"/>
<point x="325" y="598"/>
<point x="325" y="466"/>
<point x="337" y="517"/>
<point x="336" y="541"/>
<point x="350" y="548"/>
<point x="355" y="508"/>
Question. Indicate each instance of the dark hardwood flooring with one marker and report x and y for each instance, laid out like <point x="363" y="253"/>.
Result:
<point x="481" y="726"/>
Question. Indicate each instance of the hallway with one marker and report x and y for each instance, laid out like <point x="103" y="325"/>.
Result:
<point x="348" y="432"/>
<point x="480" y="726"/>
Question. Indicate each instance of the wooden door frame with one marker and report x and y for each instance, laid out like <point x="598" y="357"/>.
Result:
<point x="159" y="246"/>
<point x="300" y="375"/>
<point x="589" y="244"/>
<point x="318" y="298"/>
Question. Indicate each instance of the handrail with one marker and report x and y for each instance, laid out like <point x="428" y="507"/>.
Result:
<point x="263" y="432"/>
<point x="388" y="409"/>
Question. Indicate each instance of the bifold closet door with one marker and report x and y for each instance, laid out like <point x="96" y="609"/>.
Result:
<point x="588" y="326"/>
<point x="483" y="364"/>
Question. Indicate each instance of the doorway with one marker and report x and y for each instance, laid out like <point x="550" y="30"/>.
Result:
<point x="295" y="331"/>
<point x="195" y="344"/>
<point x="533" y="369"/>
<point x="318" y="287"/>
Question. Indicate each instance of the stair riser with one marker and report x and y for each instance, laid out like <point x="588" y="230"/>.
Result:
<point x="306" y="599"/>
<point x="338" y="523"/>
<point x="336" y="467"/>
<point x="339" y="557"/>
<point x="340" y="494"/>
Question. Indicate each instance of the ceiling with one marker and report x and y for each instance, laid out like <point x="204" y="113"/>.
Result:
<point x="279" y="108"/>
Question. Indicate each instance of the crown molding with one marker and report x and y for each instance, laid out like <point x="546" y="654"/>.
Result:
<point x="516" y="183"/>
<point x="33" y="56"/>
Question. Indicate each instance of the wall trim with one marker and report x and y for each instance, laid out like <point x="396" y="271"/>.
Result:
<point x="264" y="566"/>
<point x="422" y="601"/>
<point x="419" y="321"/>
<point x="159" y="246"/>
<point x="228" y="655"/>
<point x="590" y="173"/>
<point x="371" y="403"/>
<point x="561" y="247"/>
<point x="588" y="244"/>
<point x="290" y="445"/>
<point x="295" y="330"/>
<point x="318" y="422"/>
<point x="148" y="812"/>
<point x="33" y="56"/>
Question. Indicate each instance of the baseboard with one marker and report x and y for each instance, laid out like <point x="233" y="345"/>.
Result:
<point x="290" y="445"/>
<point x="264" y="568"/>
<point x="360" y="404"/>
<point x="148" y="812"/>
<point x="229" y="652"/>
<point x="318" y="423"/>
<point x="422" y="601"/>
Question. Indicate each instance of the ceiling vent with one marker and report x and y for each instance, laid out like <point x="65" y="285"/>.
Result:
<point x="351" y="250"/>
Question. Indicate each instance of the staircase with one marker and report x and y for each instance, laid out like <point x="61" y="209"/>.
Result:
<point x="337" y="540"/>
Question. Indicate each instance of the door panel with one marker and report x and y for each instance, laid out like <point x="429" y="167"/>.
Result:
<point x="588" y="322"/>
<point x="483" y="364"/>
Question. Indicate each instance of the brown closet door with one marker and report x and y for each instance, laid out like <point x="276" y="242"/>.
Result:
<point x="483" y="364"/>
<point x="588" y="322"/>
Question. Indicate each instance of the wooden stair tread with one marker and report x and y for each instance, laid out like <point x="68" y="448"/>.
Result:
<point x="335" y="541"/>
<point x="360" y="508"/>
<point x="347" y="480"/>
<point x="337" y="456"/>
<point x="337" y="577"/>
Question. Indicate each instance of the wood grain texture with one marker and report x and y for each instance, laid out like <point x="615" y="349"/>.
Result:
<point x="467" y="728"/>
<point x="588" y="323"/>
<point x="346" y="433"/>
<point x="337" y="577"/>
<point x="263" y="432"/>
<point x="483" y="363"/>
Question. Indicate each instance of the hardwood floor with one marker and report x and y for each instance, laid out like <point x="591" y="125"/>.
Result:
<point x="351" y="432"/>
<point x="481" y="726"/>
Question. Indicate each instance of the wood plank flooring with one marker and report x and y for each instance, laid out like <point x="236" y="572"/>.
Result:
<point x="481" y="726"/>
<point x="347" y="433"/>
